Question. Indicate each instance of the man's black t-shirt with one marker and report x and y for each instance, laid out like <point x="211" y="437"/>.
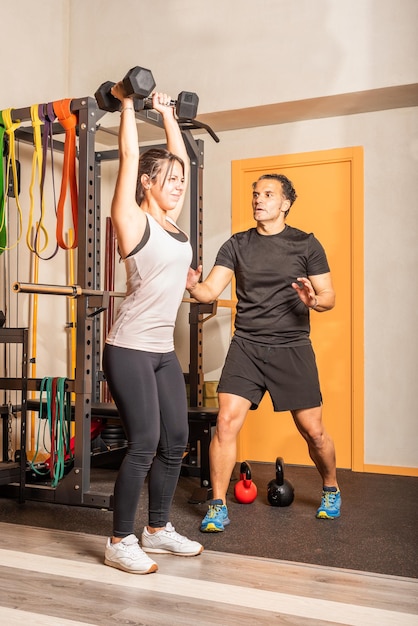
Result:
<point x="269" y="310"/>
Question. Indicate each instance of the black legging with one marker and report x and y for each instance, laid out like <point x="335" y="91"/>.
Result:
<point x="149" y="392"/>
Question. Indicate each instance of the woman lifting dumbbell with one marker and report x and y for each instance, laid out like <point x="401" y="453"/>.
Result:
<point x="139" y="362"/>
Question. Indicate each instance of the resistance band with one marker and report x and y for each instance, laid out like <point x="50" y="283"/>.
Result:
<point x="47" y="116"/>
<point x="72" y="324"/>
<point x="36" y="168"/>
<point x="34" y="338"/>
<point x="68" y="121"/>
<point x="58" y="415"/>
<point x="3" y="231"/>
<point x="10" y="128"/>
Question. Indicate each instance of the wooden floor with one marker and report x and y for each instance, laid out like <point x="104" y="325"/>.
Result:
<point x="57" y="578"/>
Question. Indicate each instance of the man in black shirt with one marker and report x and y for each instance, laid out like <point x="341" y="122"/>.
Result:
<point x="281" y="274"/>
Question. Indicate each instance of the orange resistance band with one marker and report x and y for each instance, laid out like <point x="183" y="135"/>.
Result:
<point x="68" y="120"/>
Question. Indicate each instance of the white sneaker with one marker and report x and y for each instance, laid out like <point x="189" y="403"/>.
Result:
<point x="167" y="541"/>
<point x="128" y="556"/>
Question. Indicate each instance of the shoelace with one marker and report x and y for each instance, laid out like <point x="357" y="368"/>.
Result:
<point x="214" y="509"/>
<point x="328" y="498"/>
<point x="131" y="548"/>
<point x="169" y="528"/>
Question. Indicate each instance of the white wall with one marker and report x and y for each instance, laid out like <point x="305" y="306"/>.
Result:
<point x="35" y="42"/>
<point x="239" y="54"/>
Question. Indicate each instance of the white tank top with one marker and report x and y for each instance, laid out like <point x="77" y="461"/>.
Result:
<point x="156" y="280"/>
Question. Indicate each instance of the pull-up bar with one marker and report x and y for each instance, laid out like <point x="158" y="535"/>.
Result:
<point x="24" y="114"/>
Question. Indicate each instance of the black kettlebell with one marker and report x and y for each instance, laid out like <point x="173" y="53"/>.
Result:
<point x="280" y="491"/>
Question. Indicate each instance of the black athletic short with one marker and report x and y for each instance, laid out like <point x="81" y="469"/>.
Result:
<point x="288" y="373"/>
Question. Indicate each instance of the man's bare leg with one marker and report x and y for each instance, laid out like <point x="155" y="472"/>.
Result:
<point x="320" y="445"/>
<point x="322" y="452"/>
<point x="222" y="456"/>
<point x="223" y="448"/>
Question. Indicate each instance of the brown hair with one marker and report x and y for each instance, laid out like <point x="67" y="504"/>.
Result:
<point x="151" y="163"/>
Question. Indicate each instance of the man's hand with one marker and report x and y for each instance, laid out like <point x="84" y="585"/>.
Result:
<point x="193" y="277"/>
<point x="316" y="292"/>
<point x="305" y="291"/>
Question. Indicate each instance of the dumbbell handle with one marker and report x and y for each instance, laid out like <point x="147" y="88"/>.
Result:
<point x="185" y="105"/>
<point x="148" y="103"/>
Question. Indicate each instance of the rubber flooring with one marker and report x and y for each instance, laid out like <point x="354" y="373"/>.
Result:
<point x="377" y="531"/>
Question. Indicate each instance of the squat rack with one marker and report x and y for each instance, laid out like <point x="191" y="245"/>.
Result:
<point x="74" y="488"/>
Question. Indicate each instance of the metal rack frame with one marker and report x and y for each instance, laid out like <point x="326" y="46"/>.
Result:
<point x="14" y="470"/>
<point x="75" y="487"/>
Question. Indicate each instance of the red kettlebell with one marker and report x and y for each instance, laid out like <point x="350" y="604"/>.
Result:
<point x="245" y="490"/>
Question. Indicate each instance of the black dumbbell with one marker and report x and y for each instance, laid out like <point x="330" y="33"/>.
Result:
<point x="185" y="105"/>
<point x="138" y="83"/>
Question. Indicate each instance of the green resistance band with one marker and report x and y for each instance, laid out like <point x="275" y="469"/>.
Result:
<point x="59" y="422"/>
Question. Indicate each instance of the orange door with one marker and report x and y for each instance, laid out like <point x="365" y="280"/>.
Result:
<point x="329" y="204"/>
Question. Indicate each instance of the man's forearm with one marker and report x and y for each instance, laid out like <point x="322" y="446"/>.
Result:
<point x="201" y="292"/>
<point x="324" y="301"/>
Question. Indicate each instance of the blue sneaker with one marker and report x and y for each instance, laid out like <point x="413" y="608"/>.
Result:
<point x="330" y="507"/>
<point x="216" y="518"/>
